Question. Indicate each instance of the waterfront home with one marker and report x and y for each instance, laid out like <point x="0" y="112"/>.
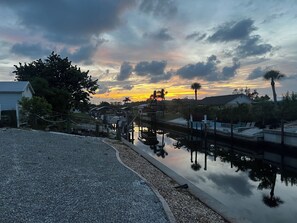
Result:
<point x="226" y="100"/>
<point x="11" y="93"/>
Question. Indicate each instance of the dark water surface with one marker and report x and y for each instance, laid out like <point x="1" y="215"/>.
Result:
<point x="259" y="185"/>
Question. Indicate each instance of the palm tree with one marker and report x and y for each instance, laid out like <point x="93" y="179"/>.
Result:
<point x="195" y="166"/>
<point x="196" y="86"/>
<point x="273" y="75"/>
<point x="126" y="100"/>
<point x="271" y="200"/>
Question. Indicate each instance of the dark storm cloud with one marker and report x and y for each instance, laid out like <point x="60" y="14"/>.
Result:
<point x="229" y="72"/>
<point x="197" y="36"/>
<point x="84" y="53"/>
<point x="200" y="69"/>
<point x="252" y="47"/>
<point x="209" y="70"/>
<point x="33" y="51"/>
<point x="233" y="31"/>
<point x="165" y="8"/>
<point x="249" y="45"/>
<point x="256" y="73"/>
<point x="161" y="34"/>
<point x="64" y="21"/>
<point x="163" y="77"/>
<point x="153" y="68"/>
<point x="154" y="71"/>
<point x="125" y="71"/>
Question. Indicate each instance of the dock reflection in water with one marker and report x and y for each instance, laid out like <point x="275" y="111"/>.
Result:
<point x="258" y="184"/>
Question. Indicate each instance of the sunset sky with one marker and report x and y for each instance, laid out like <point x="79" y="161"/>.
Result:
<point x="134" y="47"/>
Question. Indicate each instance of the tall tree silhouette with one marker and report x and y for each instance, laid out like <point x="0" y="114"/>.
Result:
<point x="273" y="75"/>
<point x="196" y="86"/>
<point x="62" y="84"/>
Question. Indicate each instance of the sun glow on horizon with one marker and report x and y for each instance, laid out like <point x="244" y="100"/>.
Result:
<point x="178" y="88"/>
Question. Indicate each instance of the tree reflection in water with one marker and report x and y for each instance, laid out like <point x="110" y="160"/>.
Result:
<point x="257" y="170"/>
<point x="270" y="200"/>
<point x="195" y="165"/>
<point x="193" y="146"/>
<point x="266" y="174"/>
<point x="253" y="162"/>
<point x="149" y="136"/>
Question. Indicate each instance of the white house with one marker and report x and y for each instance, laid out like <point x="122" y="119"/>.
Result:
<point x="11" y="93"/>
<point x="226" y="100"/>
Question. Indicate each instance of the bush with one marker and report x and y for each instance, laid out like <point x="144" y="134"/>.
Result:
<point x="288" y="107"/>
<point x="33" y="109"/>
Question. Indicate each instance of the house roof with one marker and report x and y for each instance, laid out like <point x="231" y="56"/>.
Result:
<point x="220" y="100"/>
<point x="14" y="86"/>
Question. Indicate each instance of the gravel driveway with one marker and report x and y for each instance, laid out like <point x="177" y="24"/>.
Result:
<point x="47" y="177"/>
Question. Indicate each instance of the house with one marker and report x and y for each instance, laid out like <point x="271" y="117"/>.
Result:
<point x="11" y="93"/>
<point x="226" y="100"/>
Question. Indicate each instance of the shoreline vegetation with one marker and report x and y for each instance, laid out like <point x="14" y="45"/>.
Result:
<point x="184" y="206"/>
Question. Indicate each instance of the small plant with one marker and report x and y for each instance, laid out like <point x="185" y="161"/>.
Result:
<point x="33" y="109"/>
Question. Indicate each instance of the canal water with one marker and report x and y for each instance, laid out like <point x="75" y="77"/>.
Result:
<point x="258" y="185"/>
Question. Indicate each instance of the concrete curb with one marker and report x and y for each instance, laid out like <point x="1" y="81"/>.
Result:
<point x="205" y="198"/>
<point x="167" y="210"/>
